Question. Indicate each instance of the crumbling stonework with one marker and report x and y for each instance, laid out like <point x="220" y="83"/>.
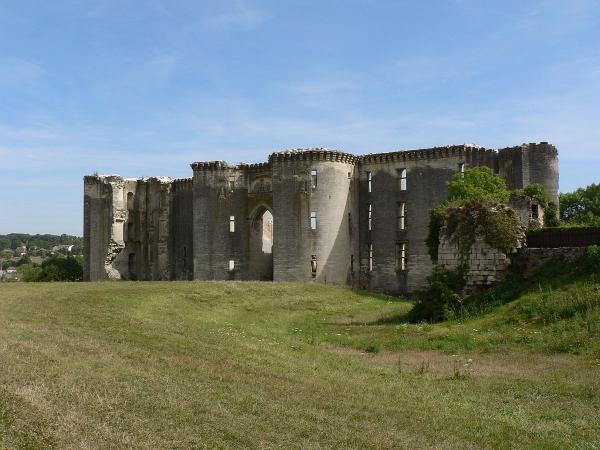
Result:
<point x="336" y="217"/>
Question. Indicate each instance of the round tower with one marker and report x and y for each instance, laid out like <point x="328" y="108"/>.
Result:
<point x="314" y="206"/>
<point x="543" y="168"/>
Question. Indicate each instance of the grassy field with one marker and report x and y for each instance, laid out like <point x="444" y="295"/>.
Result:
<point x="267" y="365"/>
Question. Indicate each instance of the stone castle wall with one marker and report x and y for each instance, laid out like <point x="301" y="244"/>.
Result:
<point x="182" y="227"/>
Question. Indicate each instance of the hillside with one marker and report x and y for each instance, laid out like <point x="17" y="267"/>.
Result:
<point x="45" y="241"/>
<point x="252" y="365"/>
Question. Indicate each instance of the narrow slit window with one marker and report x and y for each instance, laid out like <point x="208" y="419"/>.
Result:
<point x="401" y="256"/>
<point x="231" y="265"/>
<point x="402" y="175"/>
<point x="349" y="175"/>
<point x="350" y="223"/>
<point x="370" y="216"/>
<point x="535" y="211"/>
<point x="461" y="169"/>
<point x="313" y="178"/>
<point x="370" y="181"/>
<point x="231" y="183"/>
<point x="313" y="265"/>
<point x="370" y="257"/>
<point x="401" y="216"/>
<point x="232" y="224"/>
<point x="313" y="220"/>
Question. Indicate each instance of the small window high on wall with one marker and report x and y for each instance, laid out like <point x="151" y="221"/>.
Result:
<point x="232" y="224"/>
<point x="370" y="181"/>
<point x="370" y="216"/>
<point x="401" y="215"/>
<point x="313" y="220"/>
<point x="402" y="177"/>
<point x="313" y="178"/>
<point x="461" y="169"/>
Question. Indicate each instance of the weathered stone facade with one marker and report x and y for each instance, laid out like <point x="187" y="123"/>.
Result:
<point x="484" y="264"/>
<point x="313" y="215"/>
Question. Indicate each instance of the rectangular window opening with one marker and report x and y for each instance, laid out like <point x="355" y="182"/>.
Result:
<point x="313" y="220"/>
<point x="231" y="183"/>
<point x="370" y="257"/>
<point x="401" y="216"/>
<point x="461" y="169"/>
<point x="402" y="176"/>
<point x="401" y="255"/>
<point x="232" y="224"/>
<point x="370" y="216"/>
<point x="231" y="265"/>
<point x="313" y="265"/>
<point x="313" y="178"/>
<point x="370" y="181"/>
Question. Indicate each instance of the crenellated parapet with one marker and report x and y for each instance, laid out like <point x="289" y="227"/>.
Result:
<point x="429" y="153"/>
<point x="313" y="154"/>
<point x="183" y="184"/>
<point x="254" y="168"/>
<point x="210" y="165"/>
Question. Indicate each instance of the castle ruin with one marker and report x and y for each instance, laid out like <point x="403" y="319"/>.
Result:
<point x="313" y="215"/>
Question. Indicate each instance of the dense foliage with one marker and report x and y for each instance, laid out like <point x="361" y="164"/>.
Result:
<point x="479" y="183"/>
<point x="581" y="207"/>
<point x="497" y="223"/>
<point x="474" y="191"/>
<point x="55" y="268"/>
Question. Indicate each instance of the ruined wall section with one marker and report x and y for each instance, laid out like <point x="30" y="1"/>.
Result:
<point x="220" y="192"/>
<point x="146" y="206"/>
<point x="427" y="172"/>
<point x="486" y="265"/>
<point x="96" y="226"/>
<point x="323" y="254"/>
<point x="182" y="229"/>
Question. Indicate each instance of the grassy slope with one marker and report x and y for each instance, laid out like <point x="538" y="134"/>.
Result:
<point x="271" y="365"/>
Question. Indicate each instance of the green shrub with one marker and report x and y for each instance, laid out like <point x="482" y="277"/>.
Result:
<point x="442" y="299"/>
<point x="478" y="183"/>
<point x="537" y="192"/>
<point x="591" y="259"/>
<point x="551" y="218"/>
<point x="496" y="222"/>
<point x="55" y="268"/>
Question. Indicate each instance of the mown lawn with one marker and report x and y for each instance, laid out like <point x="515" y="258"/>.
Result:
<point x="267" y="365"/>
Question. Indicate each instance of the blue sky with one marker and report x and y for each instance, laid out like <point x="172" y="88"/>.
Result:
<point x="147" y="87"/>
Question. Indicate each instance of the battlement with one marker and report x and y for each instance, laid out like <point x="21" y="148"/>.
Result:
<point x="313" y="154"/>
<point x="102" y="178"/>
<point x="537" y="146"/>
<point x="428" y="153"/>
<point x="183" y="184"/>
<point x="210" y="165"/>
<point x="256" y="167"/>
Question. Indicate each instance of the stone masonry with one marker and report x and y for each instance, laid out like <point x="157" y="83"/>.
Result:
<point x="311" y="215"/>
